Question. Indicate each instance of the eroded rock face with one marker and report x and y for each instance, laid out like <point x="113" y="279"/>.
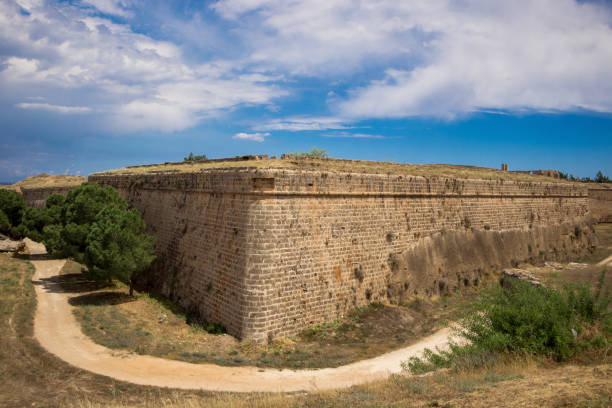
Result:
<point x="7" y="245"/>
<point x="450" y="261"/>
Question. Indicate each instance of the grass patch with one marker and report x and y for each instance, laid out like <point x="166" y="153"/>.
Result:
<point x="527" y="320"/>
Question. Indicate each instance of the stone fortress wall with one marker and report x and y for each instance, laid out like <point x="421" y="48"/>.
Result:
<point x="600" y="203"/>
<point x="269" y="252"/>
<point x="37" y="197"/>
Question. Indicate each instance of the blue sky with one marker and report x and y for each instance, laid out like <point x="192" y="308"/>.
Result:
<point x="91" y="85"/>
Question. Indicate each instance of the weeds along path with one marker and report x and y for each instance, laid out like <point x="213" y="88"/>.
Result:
<point x="57" y="330"/>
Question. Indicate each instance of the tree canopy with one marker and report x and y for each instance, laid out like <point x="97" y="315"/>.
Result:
<point x="12" y="207"/>
<point x="92" y="225"/>
<point x="117" y="245"/>
<point x="71" y="218"/>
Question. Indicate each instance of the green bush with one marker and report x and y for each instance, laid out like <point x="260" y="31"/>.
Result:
<point x="195" y="157"/>
<point x="215" y="328"/>
<point x="314" y="153"/>
<point x="13" y="206"/>
<point x="523" y="319"/>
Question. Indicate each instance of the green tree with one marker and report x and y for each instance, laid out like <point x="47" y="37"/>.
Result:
<point x="13" y="206"/>
<point x="600" y="178"/>
<point x="5" y="224"/>
<point x="74" y="215"/>
<point x="118" y="246"/>
<point x="94" y="226"/>
<point x="34" y="221"/>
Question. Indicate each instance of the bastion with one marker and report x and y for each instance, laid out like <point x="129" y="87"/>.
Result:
<point x="270" y="247"/>
<point x="37" y="196"/>
<point x="36" y="189"/>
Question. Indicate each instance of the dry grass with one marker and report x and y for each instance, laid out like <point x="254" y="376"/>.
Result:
<point x="147" y="325"/>
<point x="46" y="180"/>
<point x="519" y="384"/>
<point x="31" y="377"/>
<point x="338" y="165"/>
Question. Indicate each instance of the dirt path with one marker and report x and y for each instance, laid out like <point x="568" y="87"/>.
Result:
<point x="57" y="330"/>
<point x="607" y="261"/>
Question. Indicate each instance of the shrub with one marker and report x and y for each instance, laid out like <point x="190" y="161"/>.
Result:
<point x="522" y="319"/>
<point x="215" y="328"/>
<point x="314" y="153"/>
<point x="196" y="157"/>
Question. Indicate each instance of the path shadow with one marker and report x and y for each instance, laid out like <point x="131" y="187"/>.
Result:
<point x="101" y="298"/>
<point x="31" y="257"/>
<point x="71" y="283"/>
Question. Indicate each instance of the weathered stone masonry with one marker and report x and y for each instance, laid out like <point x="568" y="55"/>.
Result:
<point x="600" y="203"/>
<point x="270" y="252"/>
<point x="37" y="196"/>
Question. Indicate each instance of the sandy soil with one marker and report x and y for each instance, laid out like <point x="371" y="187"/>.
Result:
<point x="57" y="330"/>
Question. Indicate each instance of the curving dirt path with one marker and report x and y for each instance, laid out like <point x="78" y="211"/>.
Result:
<point x="607" y="261"/>
<point x="57" y="330"/>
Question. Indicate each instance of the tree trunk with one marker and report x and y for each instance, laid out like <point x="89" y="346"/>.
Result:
<point x="131" y="288"/>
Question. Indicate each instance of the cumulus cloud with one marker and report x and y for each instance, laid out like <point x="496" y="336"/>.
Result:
<point x="132" y="81"/>
<point x="439" y="58"/>
<point x="255" y="137"/>
<point x="379" y="59"/>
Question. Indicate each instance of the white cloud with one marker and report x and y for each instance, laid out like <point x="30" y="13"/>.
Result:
<point x="255" y="137"/>
<point x="379" y="59"/>
<point x="348" y="135"/>
<point x="54" y="108"/>
<point x="114" y="7"/>
<point x="295" y="124"/>
<point x="440" y="57"/>
<point x="132" y="81"/>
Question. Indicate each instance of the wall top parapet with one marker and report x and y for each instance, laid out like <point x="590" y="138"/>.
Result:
<point x="279" y="182"/>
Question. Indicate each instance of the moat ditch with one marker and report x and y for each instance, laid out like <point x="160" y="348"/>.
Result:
<point x="148" y="325"/>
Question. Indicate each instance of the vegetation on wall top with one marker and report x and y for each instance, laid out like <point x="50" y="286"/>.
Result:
<point x="599" y="178"/>
<point x="195" y="157"/>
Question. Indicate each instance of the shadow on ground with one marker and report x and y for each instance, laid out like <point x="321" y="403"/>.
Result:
<point x="71" y="283"/>
<point x="101" y="298"/>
